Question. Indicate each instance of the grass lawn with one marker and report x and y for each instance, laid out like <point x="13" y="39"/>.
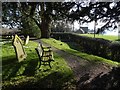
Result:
<point x="65" y="47"/>
<point x="108" y="37"/>
<point x="26" y="73"/>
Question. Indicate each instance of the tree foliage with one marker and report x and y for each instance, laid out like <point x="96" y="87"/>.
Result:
<point x="30" y="28"/>
<point x="106" y="12"/>
<point x="61" y="26"/>
<point x="42" y="13"/>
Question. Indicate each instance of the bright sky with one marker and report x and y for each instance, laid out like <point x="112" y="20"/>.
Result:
<point x="91" y="27"/>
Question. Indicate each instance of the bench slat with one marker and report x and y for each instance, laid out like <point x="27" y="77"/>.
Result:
<point x="45" y="54"/>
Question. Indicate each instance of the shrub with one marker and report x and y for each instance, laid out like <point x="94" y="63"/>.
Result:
<point x="96" y="46"/>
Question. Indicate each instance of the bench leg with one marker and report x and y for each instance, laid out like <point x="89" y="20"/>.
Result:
<point x="39" y="64"/>
<point x="50" y="65"/>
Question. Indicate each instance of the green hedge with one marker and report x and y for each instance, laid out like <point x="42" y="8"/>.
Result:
<point x="96" y="46"/>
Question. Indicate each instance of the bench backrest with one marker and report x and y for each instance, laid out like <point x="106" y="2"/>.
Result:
<point x="39" y="51"/>
<point x="44" y="53"/>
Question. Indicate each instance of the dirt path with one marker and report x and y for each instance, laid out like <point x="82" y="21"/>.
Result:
<point x="80" y="66"/>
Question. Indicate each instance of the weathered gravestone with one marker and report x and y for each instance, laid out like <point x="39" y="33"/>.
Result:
<point x="19" y="50"/>
<point x="27" y="40"/>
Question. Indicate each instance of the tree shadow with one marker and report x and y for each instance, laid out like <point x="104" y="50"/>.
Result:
<point x="46" y="78"/>
<point x="31" y="67"/>
<point x="117" y="40"/>
<point x="9" y="60"/>
<point x="10" y="71"/>
<point x="12" y="68"/>
<point x="55" y="81"/>
<point x="108" y="81"/>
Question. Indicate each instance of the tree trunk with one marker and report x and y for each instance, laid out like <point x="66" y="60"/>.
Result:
<point x="45" y="30"/>
<point x="45" y="22"/>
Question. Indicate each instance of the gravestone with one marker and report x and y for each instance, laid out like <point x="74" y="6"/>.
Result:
<point x="19" y="50"/>
<point x="27" y="40"/>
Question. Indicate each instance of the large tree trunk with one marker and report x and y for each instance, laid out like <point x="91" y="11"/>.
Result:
<point x="45" y="22"/>
<point x="45" y="27"/>
<point x="45" y="30"/>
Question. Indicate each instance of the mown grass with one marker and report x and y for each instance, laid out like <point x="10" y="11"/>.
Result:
<point x="65" y="47"/>
<point x="107" y="37"/>
<point x="26" y="74"/>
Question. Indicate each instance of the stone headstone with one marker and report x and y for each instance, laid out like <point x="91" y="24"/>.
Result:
<point x="27" y="40"/>
<point x="20" y="52"/>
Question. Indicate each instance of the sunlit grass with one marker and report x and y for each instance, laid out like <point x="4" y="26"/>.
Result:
<point x="27" y="73"/>
<point x="65" y="47"/>
<point x="108" y="37"/>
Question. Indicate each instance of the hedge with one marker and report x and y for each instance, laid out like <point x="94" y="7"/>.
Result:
<point x="96" y="46"/>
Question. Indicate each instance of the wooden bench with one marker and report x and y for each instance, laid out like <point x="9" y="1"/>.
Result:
<point x="45" y="55"/>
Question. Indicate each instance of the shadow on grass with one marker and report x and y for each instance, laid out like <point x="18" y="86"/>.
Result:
<point x="9" y="60"/>
<point x="108" y="81"/>
<point x="12" y="68"/>
<point x="31" y="67"/>
<point x="117" y="40"/>
<point x="45" y="78"/>
<point x="55" y="81"/>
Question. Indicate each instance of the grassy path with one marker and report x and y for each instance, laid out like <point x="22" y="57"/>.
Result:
<point x="81" y="67"/>
<point x="89" y="74"/>
<point x="26" y="75"/>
